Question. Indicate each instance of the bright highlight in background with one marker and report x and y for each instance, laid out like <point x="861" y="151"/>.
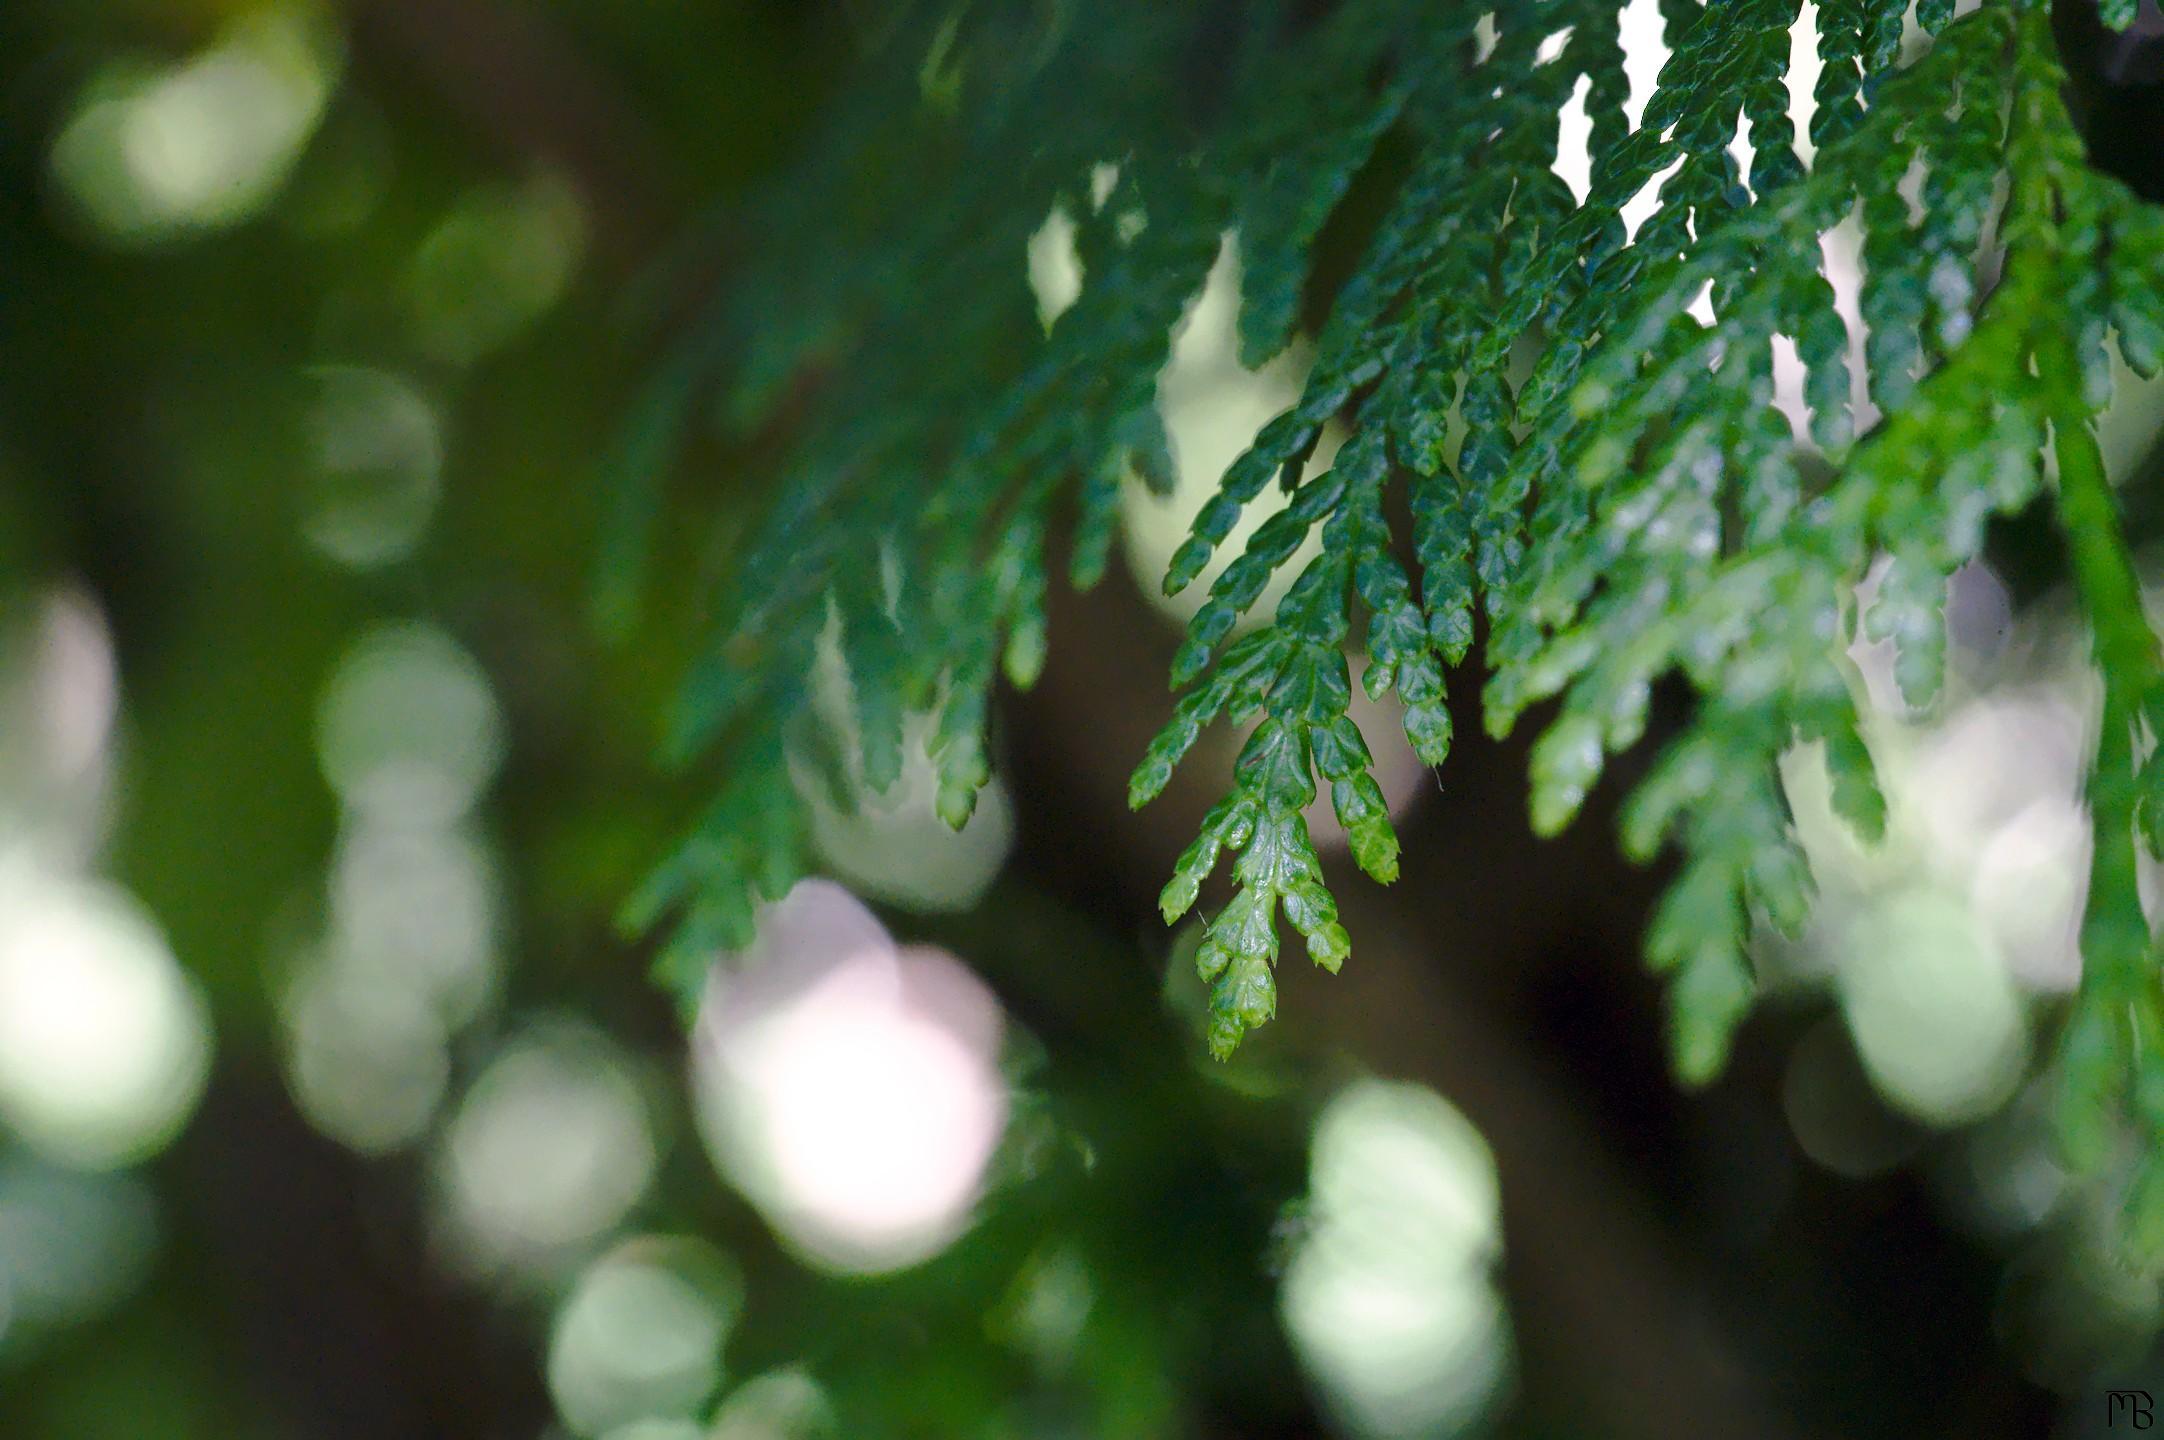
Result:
<point x="367" y="1063"/>
<point x="552" y="1146"/>
<point x="104" y="1042"/>
<point x="375" y="450"/>
<point x="1388" y="1300"/>
<point x="892" y="845"/>
<point x="202" y="144"/>
<point x="1212" y="408"/>
<point x="414" y="911"/>
<point x="493" y="266"/>
<point x="1937" y="1019"/>
<point x="104" y="1039"/>
<point x="779" y="1405"/>
<point x="409" y="729"/>
<point x="409" y="735"/>
<point x="849" y="1088"/>
<point x="638" y="1340"/>
<point x="59" y="696"/>
<point x="1933" y="939"/>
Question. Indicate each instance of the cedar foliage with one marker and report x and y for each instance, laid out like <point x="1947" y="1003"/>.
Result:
<point x="1594" y="470"/>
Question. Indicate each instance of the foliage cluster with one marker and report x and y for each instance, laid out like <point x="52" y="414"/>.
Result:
<point x="1564" y="433"/>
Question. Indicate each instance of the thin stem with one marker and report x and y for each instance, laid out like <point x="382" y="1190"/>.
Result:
<point x="2115" y="936"/>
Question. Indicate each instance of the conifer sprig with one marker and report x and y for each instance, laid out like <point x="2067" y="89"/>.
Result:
<point x="1559" y="422"/>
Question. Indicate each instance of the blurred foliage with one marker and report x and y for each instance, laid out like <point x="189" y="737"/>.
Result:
<point x="320" y="320"/>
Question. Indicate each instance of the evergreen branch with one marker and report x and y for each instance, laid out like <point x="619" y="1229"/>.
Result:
<point x="1580" y="419"/>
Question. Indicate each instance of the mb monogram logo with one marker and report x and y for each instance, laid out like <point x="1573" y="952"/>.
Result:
<point x="2128" y="1410"/>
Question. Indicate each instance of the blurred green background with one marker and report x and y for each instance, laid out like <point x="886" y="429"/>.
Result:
<point x="332" y="1104"/>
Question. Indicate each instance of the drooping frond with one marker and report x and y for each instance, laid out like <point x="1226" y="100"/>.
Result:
<point x="1573" y="399"/>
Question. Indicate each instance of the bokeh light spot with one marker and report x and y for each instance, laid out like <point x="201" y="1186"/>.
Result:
<point x="414" y="910"/>
<point x="1833" y="1111"/>
<point x="892" y="844"/>
<point x="551" y="1146"/>
<point x="1212" y="407"/>
<point x="639" y="1337"/>
<point x="154" y="152"/>
<point x="368" y="1063"/>
<point x="848" y="1088"/>
<point x="778" y="1405"/>
<point x="1388" y="1299"/>
<point x="376" y="460"/>
<point x="104" y="1040"/>
<point x="59" y="696"/>
<point x="408" y="731"/>
<point x="493" y="266"/>
<point x="1055" y="269"/>
<point x="1937" y="1020"/>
